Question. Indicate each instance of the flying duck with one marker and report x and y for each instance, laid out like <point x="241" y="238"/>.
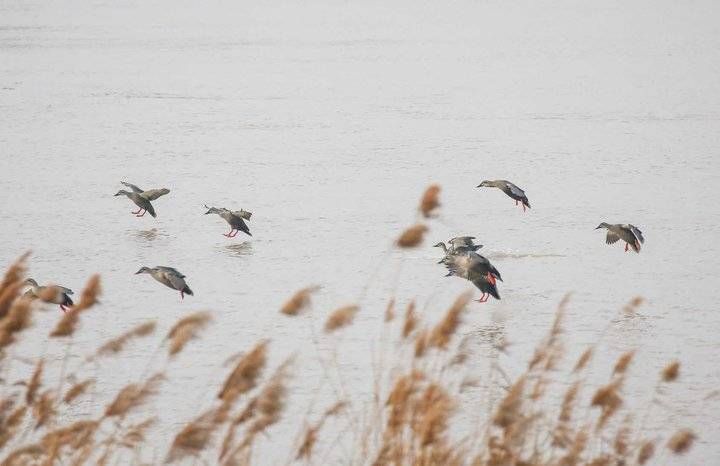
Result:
<point x="54" y="294"/>
<point x="234" y="219"/>
<point x="169" y="277"/>
<point x="510" y="189"/>
<point x="631" y="234"/>
<point x="142" y="202"/>
<point x="478" y="270"/>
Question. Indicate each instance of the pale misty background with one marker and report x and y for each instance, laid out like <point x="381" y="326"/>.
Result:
<point x="327" y="120"/>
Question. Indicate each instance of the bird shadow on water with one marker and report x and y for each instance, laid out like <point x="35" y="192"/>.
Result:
<point x="239" y="249"/>
<point x="146" y="235"/>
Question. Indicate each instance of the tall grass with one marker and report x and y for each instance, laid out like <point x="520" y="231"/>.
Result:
<point x="545" y="417"/>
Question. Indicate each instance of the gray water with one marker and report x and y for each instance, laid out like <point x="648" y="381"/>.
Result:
<point x="327" y="120"/>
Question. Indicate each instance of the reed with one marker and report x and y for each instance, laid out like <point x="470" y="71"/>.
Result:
<point x="430" y="200"/>
<point x="427" y="385"/>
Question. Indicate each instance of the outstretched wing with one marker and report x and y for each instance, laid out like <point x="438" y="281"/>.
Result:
<point x="132" y="186"/>
<point x="462" y="241"/>
<point x="515" y="189"/>
<point x="611" y="237"/>
<point x="152" y="194"/>
<point x="150" y="209"/>
<point x="242" y="214"/>
<point x="636" y="231"/>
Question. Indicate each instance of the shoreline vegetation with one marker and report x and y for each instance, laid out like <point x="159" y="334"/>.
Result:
<point x="546" y="416"/>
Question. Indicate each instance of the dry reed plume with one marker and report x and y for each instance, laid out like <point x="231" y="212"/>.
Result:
<point x="185" y="330"/>
<point x="117" y="344"/>
<point x="430" y="200"/>
<point x="299" y="301"/>
<point x="412" y="237"/>
<point x="340" y="318"/>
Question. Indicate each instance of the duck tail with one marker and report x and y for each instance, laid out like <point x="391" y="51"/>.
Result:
<point x="187" y="290"/>
<point x="494" y="292"/>
<point x="526" y="202"/>
<point x="67" y="301"/>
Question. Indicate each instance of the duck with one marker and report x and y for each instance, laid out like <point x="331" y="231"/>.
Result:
<point x="150" y="194"/>
<point x="236" y="219"/>
<point x="53" y="294"/>
<point x="511" y="189"/>
<point x="631" y="234"/>
<point x="169" y="277"/>
<point x="142" y="202"/>
<point x="458" y="245"/>
<point x="478" y="270"/>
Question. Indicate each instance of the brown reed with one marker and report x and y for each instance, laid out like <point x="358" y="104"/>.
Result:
<point x="623" y="362"/>
<point x="430" y="200"/>
<point x="244" y="376"/>
<point x="77" y="390"/>
<point x="681" y="441"/>
<point x="185" y="330"/>
<point x="583" y="360"/>
<point x="411" y="320"/>
<point x="133" y="396"/>
<point x="340" y="318"/>
<point x="671" y="372"/>
<point x="647" y="450"/>
<point x="412" y="237"/>
<point x="193" y="438"/>
<point x="15" y="321"/>
<point x="117" y="344"/>
<point x="299" y="301"/>
<point x="442" y="333"/>
<point x="390" y="310"/>
<point x="34" y="383"/>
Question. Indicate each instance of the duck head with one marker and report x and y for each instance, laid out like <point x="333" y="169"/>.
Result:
<point x="484" y="184"/>
<point x="602" y="225"/>
<point x="122" y="192"/>
<point x="143" y="270"/>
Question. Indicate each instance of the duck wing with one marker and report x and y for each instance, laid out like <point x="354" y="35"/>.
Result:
<point x="170" y="270"/>
<point x="152" y="194"/>
<point x="636" y="231"/>
<point x="513" y="188"/>
<point x="611" y="237"/>
<point x="242" y="214"/>
<point x="462" y="241"/>
<point x="176" y="281"/>
<point x="132" y="186"/>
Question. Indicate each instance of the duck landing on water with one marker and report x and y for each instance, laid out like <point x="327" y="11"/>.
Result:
<point x="236" y="220"/>
<point x="53" y="294"/>
<point x="169" y="277"/>
<point x="631" y="234"/>
<point x="142" y="198"/>
<point x="477" y="269"/>
<point x="512" y="190"/>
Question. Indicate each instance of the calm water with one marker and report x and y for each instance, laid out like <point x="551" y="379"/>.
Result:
<point x="327" y="120"/>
